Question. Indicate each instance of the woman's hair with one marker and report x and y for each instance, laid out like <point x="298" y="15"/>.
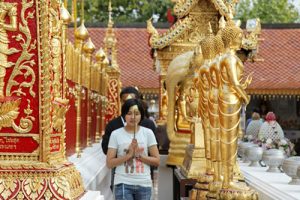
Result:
<point x="270" y="117"/>
<point x="255" y="116"/>
<point x="132" y="102"/>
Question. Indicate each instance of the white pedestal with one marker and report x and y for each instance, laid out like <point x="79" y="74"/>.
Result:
<point x="95" y="174"/>
<point x="165" y="180"/>
<point x="270" y="186"/>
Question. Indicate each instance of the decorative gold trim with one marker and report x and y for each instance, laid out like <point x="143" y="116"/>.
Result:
<point x="45" y="78"/>
<point x="62" y="182"/>
<point x="182" y="8"/>
<point x="158" y="41"/>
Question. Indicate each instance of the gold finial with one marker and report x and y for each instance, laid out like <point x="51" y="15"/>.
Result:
<point x="89" y="47"/>
<point x="100" y="55"/>
<point x="81" y="32"/>
<point x="105" y="61"/>
<point x="65" y="15"/>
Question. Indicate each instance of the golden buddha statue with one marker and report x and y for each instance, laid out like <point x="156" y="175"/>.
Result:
<point x="182" y="124"/>
<point x="231" y="95"/>
<point x="208" y="52"/>
<point x="213" y="108"/>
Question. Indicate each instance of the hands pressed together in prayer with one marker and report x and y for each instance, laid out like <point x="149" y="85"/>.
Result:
<point x="134" y="150"/>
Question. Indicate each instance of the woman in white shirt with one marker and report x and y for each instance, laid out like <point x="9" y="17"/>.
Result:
<point x="132" y="149"/>
<point x="270" y="129"/>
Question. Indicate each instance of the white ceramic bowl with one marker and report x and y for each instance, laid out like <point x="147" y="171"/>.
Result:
<point x="254" y="155"/>
<point x="274" y="159"/>
<point x="290" y="166"/>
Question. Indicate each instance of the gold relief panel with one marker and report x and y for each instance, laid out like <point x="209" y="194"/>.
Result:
<point x="18" y="63"/>
<point x="60" y="183"/>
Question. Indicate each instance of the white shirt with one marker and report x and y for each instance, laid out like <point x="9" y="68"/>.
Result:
<point x="133" y="171"/>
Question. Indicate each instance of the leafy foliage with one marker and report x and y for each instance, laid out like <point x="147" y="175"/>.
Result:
<point x="124" y="11"/>
<point x="269" y="11"/>
<point x="130" y="11"/>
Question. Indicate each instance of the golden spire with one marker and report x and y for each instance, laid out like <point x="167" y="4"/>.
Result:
<point x="89" y="47"/>
<point x="110" y="41"/>
<point x="100" y="55"/>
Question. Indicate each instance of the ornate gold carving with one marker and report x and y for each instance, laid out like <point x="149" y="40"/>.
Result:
<point x="182" y="8"/>
<point x="25" y="62"/>
<point x="113" y="97"/>
<point x="9" y="111"/>
<point x="161" y="41"/>
<point x="63" y="182"/>
<point x="8" y="189"/>
<point x="60" y="107"/>
<point x="56" y="47"/>
<point x="25" y="123"/>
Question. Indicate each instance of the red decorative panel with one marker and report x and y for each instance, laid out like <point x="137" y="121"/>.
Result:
<point x="83" y="125"/>
<point x="13" y="144"/>
<point x="94" y="122"/>
<point x="112" y="109"/>
<point x="55" y="143"/>
<point x="71" y="121"/>
<point x="19" y="77"/>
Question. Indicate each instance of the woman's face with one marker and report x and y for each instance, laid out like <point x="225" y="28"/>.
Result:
<point x="133" y="117"/>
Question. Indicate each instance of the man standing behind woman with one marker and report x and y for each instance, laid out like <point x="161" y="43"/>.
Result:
<point x="132" y="149"/>
<point x="126" y="93"/>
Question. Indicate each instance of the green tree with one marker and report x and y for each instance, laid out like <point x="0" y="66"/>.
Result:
<point x="123" y="11"/>
<point x="269" y="11"/>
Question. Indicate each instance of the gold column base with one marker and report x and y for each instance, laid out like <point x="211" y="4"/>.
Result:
<point x="177" y="149"/>
<point x="40" y="181"/>
<point x="233" y="194"/>
<point x="194" y="163"/>
<point x="200" y="190"/>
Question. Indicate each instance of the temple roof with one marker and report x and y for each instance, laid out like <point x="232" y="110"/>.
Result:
<point x="278" y="73"/>
<point x="280" y="68"/>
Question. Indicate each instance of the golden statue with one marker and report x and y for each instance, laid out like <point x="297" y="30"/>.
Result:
<point x="231" y="95"/>
<point x="10" y="10"/>
<point x="182" y="124"/>
<point x="213" y="108"/>
<point x="208" y="52"/>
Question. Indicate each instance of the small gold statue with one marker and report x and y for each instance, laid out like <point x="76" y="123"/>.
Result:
<point x="10" y="10"/>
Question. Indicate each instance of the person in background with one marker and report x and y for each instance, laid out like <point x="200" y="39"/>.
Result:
<point x="132" y="149"/>
<point x="270" y="128"/>
<point x="254" y="126"/>
<point x="250" y="119"/>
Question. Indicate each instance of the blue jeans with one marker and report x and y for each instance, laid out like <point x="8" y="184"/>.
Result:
<point x="131" y="192"/>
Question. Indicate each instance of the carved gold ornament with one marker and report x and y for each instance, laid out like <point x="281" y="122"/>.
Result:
<point x="9" y="111"/>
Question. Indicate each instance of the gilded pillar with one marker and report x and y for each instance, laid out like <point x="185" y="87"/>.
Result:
<point x="100" y="56"/>
<point x="81" y="34"/>
<point x="89" y="49"/>
<point x="33" y="105"/>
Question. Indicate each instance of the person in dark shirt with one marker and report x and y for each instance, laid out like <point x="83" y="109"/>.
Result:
<point x="126" y="93"/>
<point x="116" y="123"/>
